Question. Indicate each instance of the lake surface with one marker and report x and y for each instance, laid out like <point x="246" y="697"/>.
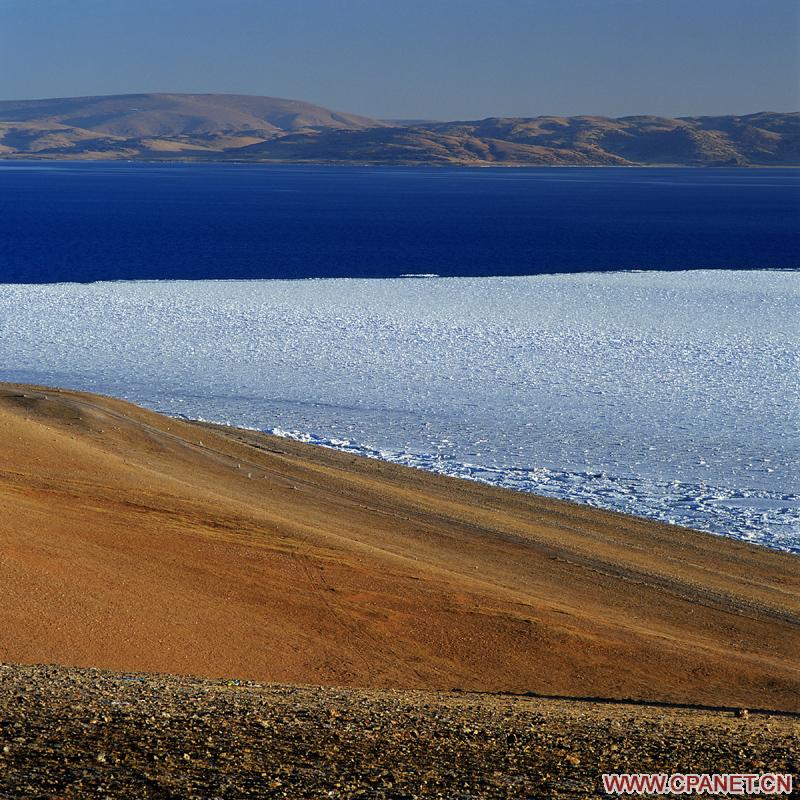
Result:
<point x="112" y="221"/>
<point x="541" y="360"/>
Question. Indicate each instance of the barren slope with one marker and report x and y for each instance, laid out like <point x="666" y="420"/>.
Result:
<point x="158" y="125"/>
<point x="157" y="115"/>
<point x="269" y="129"/>
<point x="756" y="139"/>
<point x="134" y="541"/>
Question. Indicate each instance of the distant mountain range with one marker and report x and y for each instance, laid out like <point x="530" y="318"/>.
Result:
<point x="246" y="128"/>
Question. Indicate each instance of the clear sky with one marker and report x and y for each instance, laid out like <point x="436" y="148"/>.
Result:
<point x="436" y="59"/>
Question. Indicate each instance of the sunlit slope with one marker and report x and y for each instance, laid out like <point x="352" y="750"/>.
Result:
<point x="149" y="125"/>
<point x="154" y="126"/>
<point x="133" y="541"/>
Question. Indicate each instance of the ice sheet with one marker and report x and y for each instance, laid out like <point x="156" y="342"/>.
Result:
<point x="673" y="396"/>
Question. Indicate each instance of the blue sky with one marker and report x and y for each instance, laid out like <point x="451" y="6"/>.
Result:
<point x="440" y="59"/>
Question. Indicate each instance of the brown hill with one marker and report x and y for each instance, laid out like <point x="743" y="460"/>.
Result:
<point x="49" y="137"/>
<point x="439" y="146"/>
<point x="242" y="127"/>
<point x="759" y="139"/>
<point x="135" y="541"/>
<point x="136" y="124"/>
<point x="165" y="115"/>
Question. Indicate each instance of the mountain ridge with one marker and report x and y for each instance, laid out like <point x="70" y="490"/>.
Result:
<point x="275" y="130"/>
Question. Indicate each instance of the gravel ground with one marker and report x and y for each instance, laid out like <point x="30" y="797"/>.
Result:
<point x="76" y="733"/>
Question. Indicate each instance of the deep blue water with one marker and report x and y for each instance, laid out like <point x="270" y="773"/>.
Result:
<point x="100" y="221"/>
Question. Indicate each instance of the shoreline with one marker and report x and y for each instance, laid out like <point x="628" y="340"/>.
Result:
<point x="416" y="277"/>
<point x="384" y="165"/>
<point x="406" y="460"/>
<point x="534" y="390"/>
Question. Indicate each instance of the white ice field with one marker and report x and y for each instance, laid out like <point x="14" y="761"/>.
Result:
<point x="674" y="396"/>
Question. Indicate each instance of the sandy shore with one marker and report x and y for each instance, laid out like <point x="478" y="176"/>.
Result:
<point x="87" y="734"/>
<point x="132" y="541"/>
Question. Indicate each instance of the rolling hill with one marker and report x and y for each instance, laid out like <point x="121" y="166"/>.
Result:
<point x="247" y="128"/>
<point x="757" y="139"/>
<point x="127" y="126"/>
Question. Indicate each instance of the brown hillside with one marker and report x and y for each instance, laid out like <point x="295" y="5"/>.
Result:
<point x="757" y="139"/>
<point x="268" y="129"/>
<point x="134" y="541"/>
<point x="167" y="115"/>
<point x="159" y="125"/>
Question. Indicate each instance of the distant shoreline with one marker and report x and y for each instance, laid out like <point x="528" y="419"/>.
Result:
<point x="383" y="165"/>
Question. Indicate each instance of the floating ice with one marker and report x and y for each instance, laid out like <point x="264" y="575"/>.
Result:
<point x="673" y="396"/>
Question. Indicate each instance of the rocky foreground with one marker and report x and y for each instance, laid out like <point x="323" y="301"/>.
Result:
<point x="82" y="733"/>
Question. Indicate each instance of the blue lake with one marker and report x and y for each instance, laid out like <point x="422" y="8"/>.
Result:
<point x="109" y="221"/>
